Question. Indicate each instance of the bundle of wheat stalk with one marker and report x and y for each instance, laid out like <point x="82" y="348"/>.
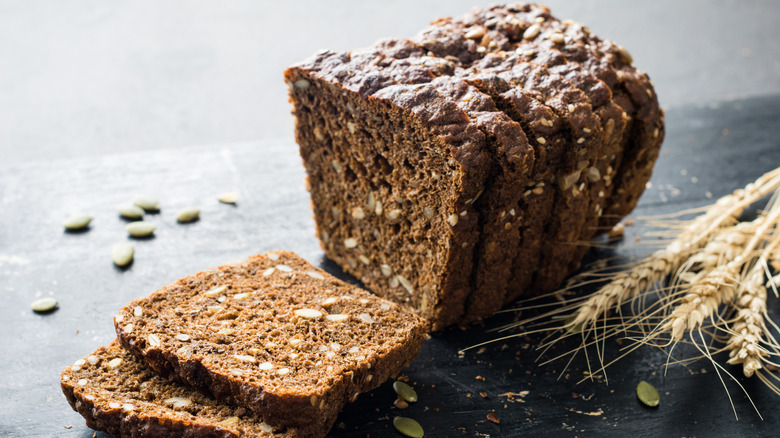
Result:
<point x="706" y="287"/>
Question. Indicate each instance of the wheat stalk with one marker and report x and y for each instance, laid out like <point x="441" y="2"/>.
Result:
<point x="720" y="284"/>
<point x="629" y="284"/>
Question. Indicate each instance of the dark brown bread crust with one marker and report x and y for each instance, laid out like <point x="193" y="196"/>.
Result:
<point x="127" y="399"/>
<point x="246" y="342"/>
<point x="438" y="259"/>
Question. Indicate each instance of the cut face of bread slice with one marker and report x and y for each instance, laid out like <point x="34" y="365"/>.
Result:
<point x="512" y="160"/>
<point x="118" y="394"/>
<point x="273" y="334"/>
<point x="394" y="170"/>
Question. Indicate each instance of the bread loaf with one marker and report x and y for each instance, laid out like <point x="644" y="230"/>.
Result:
<point x="591" y="130"/>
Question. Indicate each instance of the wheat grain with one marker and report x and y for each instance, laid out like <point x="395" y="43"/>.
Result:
<point x="725" y="245"/>
<point x="702" y="299"/>
<point x="748" y="325"/>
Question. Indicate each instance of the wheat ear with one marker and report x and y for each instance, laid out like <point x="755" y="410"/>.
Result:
<point x="651" y="270"/>
<point x="748" y="326"/>
<point x="719" y="285"/>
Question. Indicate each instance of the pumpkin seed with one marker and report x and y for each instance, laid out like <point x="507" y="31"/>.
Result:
<point x="228" y="198"/>
<point x="148" y="203"/>
<point x="140" y="229"/>
<point x="405" y="391"/>
<point x="189" y="214"/>
<point x="122" y="253"/>
<point x="77" y="222"/>
<point x="130" y="211"/>
<point x="647" y="394"/>
<point x="408" y="427"/>
<point x="44" y="304"/>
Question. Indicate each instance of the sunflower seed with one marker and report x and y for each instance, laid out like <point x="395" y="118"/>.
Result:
<point x="44" y="304"/>
<point x="178" y="402"/>
<point x="216" y="290"/>
<point x="405" y="391"/>
<point x="647" y="394"/>
<point x="77" y="222"/>
<point x="122" y="253"/>
<point x="308" y="313"/>
<point x="189" y="214"/>
<point x="228" y="198"/>
<point x="230" y="421"/>
<point x="148" y="203"/>
<point x="130" y="211"/>
<point x="408" y="427"/>
<point x="140" y="229"/>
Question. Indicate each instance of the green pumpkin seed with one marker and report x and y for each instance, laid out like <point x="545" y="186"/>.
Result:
<point x="44" y="304"/>
<point x="122" y="253"/>
<point x="140" y="229"/>
<point x="188" y="214"/>
<point x="228" y="198"/>
<point x="148" y="203"/>
<point x="408" y="427"/>
<point x="77" y="222"/>
<point x="405" y="391"/>
<point x="130" y="211"/>
<point x="647" y="394"/>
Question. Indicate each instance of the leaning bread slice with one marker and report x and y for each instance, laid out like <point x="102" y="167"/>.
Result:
<point x="118" y="394"/>
<point x="273" y="334"/>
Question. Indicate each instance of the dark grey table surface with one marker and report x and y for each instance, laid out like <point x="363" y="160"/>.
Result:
<point x="710" y="150"/>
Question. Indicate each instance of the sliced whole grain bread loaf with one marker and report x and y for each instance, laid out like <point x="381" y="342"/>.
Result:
<point x="571" y="189"/>
<point x="118" y="394"/>
<point x="274" y="335"/>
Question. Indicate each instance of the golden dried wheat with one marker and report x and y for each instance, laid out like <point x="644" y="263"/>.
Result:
<point x="748" y="325"/>
<point x="645" y="274"/>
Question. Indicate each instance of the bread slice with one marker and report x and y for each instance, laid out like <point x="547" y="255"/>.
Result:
<point x="394" y="170"/>
<point x="349" y="109"/>
<point x="118" y="394"/>
<point x="273" y="334"/>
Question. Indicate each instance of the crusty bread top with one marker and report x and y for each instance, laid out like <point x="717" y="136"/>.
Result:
<point x="273" y="334"/>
